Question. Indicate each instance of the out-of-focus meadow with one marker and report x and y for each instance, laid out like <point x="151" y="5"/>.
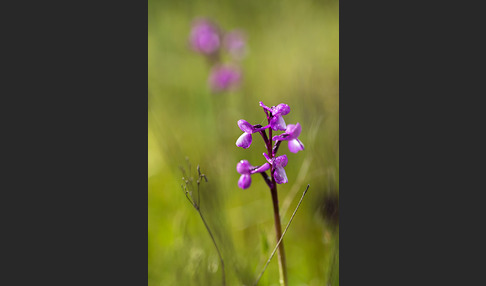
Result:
<point x="293" y="58"/>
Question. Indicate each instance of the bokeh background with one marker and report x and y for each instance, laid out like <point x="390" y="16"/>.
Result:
<point x="293" y="58"/>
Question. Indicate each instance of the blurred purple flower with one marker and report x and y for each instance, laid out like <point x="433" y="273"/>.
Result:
<point x="276" y="121"/>
<point x="246" y="170"/>
<point x="205" y="37"/>
<point x="278" y="164"/>
<point x="235" y="43"/>
<point x="224" y="77"/>
<point x="290" y="135"/>
<point x="245" y="139"/>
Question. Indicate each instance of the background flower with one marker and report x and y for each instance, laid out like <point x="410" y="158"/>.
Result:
<point x="205" y="37"/>
<point x="224" y="77"/>
<point x="235" y="43"/>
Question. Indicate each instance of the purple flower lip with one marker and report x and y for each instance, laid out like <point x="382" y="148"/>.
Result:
<point x="278" y="165"/>
<point x="246" y="170"/>
<point x="244" y="141"/>
<point x="224" y="77"/>
<point x="205" y="37"/>
<point x="291" y="133"/>
<point x="278" y="123"/>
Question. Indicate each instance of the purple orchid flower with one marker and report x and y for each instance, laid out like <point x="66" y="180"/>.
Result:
<point x="235" y="43"/>
<point x="290" y="135"/>
<point x="224" y="77"/>
<point x="246" y="170"/>
<point x="205" y="37"/>
<point x="245" y="139"/>
<point x="276" y="121"/>
<point x="278" y="164"/>
<point x="275" y="163"/>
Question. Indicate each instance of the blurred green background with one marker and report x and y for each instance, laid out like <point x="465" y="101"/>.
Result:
<point x="293" y="58"/>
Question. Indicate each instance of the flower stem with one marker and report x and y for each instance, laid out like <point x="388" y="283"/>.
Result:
<point x="282" y="264"/>
<point x="281" y="238"/>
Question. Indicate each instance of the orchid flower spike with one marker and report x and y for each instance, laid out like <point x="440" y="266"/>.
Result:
<point x="290" y="135"/>
<point x="245" y="139"/>
<point x="276" y="121"/>
<point x="246" y="170"/>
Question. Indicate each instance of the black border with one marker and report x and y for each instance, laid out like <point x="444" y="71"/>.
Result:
<point x="408" y="135"/>
<point x="78" y="120"/>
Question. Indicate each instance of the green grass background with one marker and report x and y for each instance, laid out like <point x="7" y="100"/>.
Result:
<point x="293" y="58"/>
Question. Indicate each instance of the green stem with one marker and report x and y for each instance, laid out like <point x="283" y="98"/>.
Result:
<point x="215" y="245"/>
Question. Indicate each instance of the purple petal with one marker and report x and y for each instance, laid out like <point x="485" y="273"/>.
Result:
<point x="278" y="123"/>
<point x="293" y="131"/>
<point x="244" y="140"/>
<point x="262" y="168"/>
<point x="258" y="129"/>
<point x="265" y="107"/>
<point x="243" y="167"/>
<point x="244" y="182"/>
<point x="245" y="126"/>
<point x="282" y="109"/>
<point x="295" y="146"/>
<point x="280" y="175"/>
<point x="281" y="161"/>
